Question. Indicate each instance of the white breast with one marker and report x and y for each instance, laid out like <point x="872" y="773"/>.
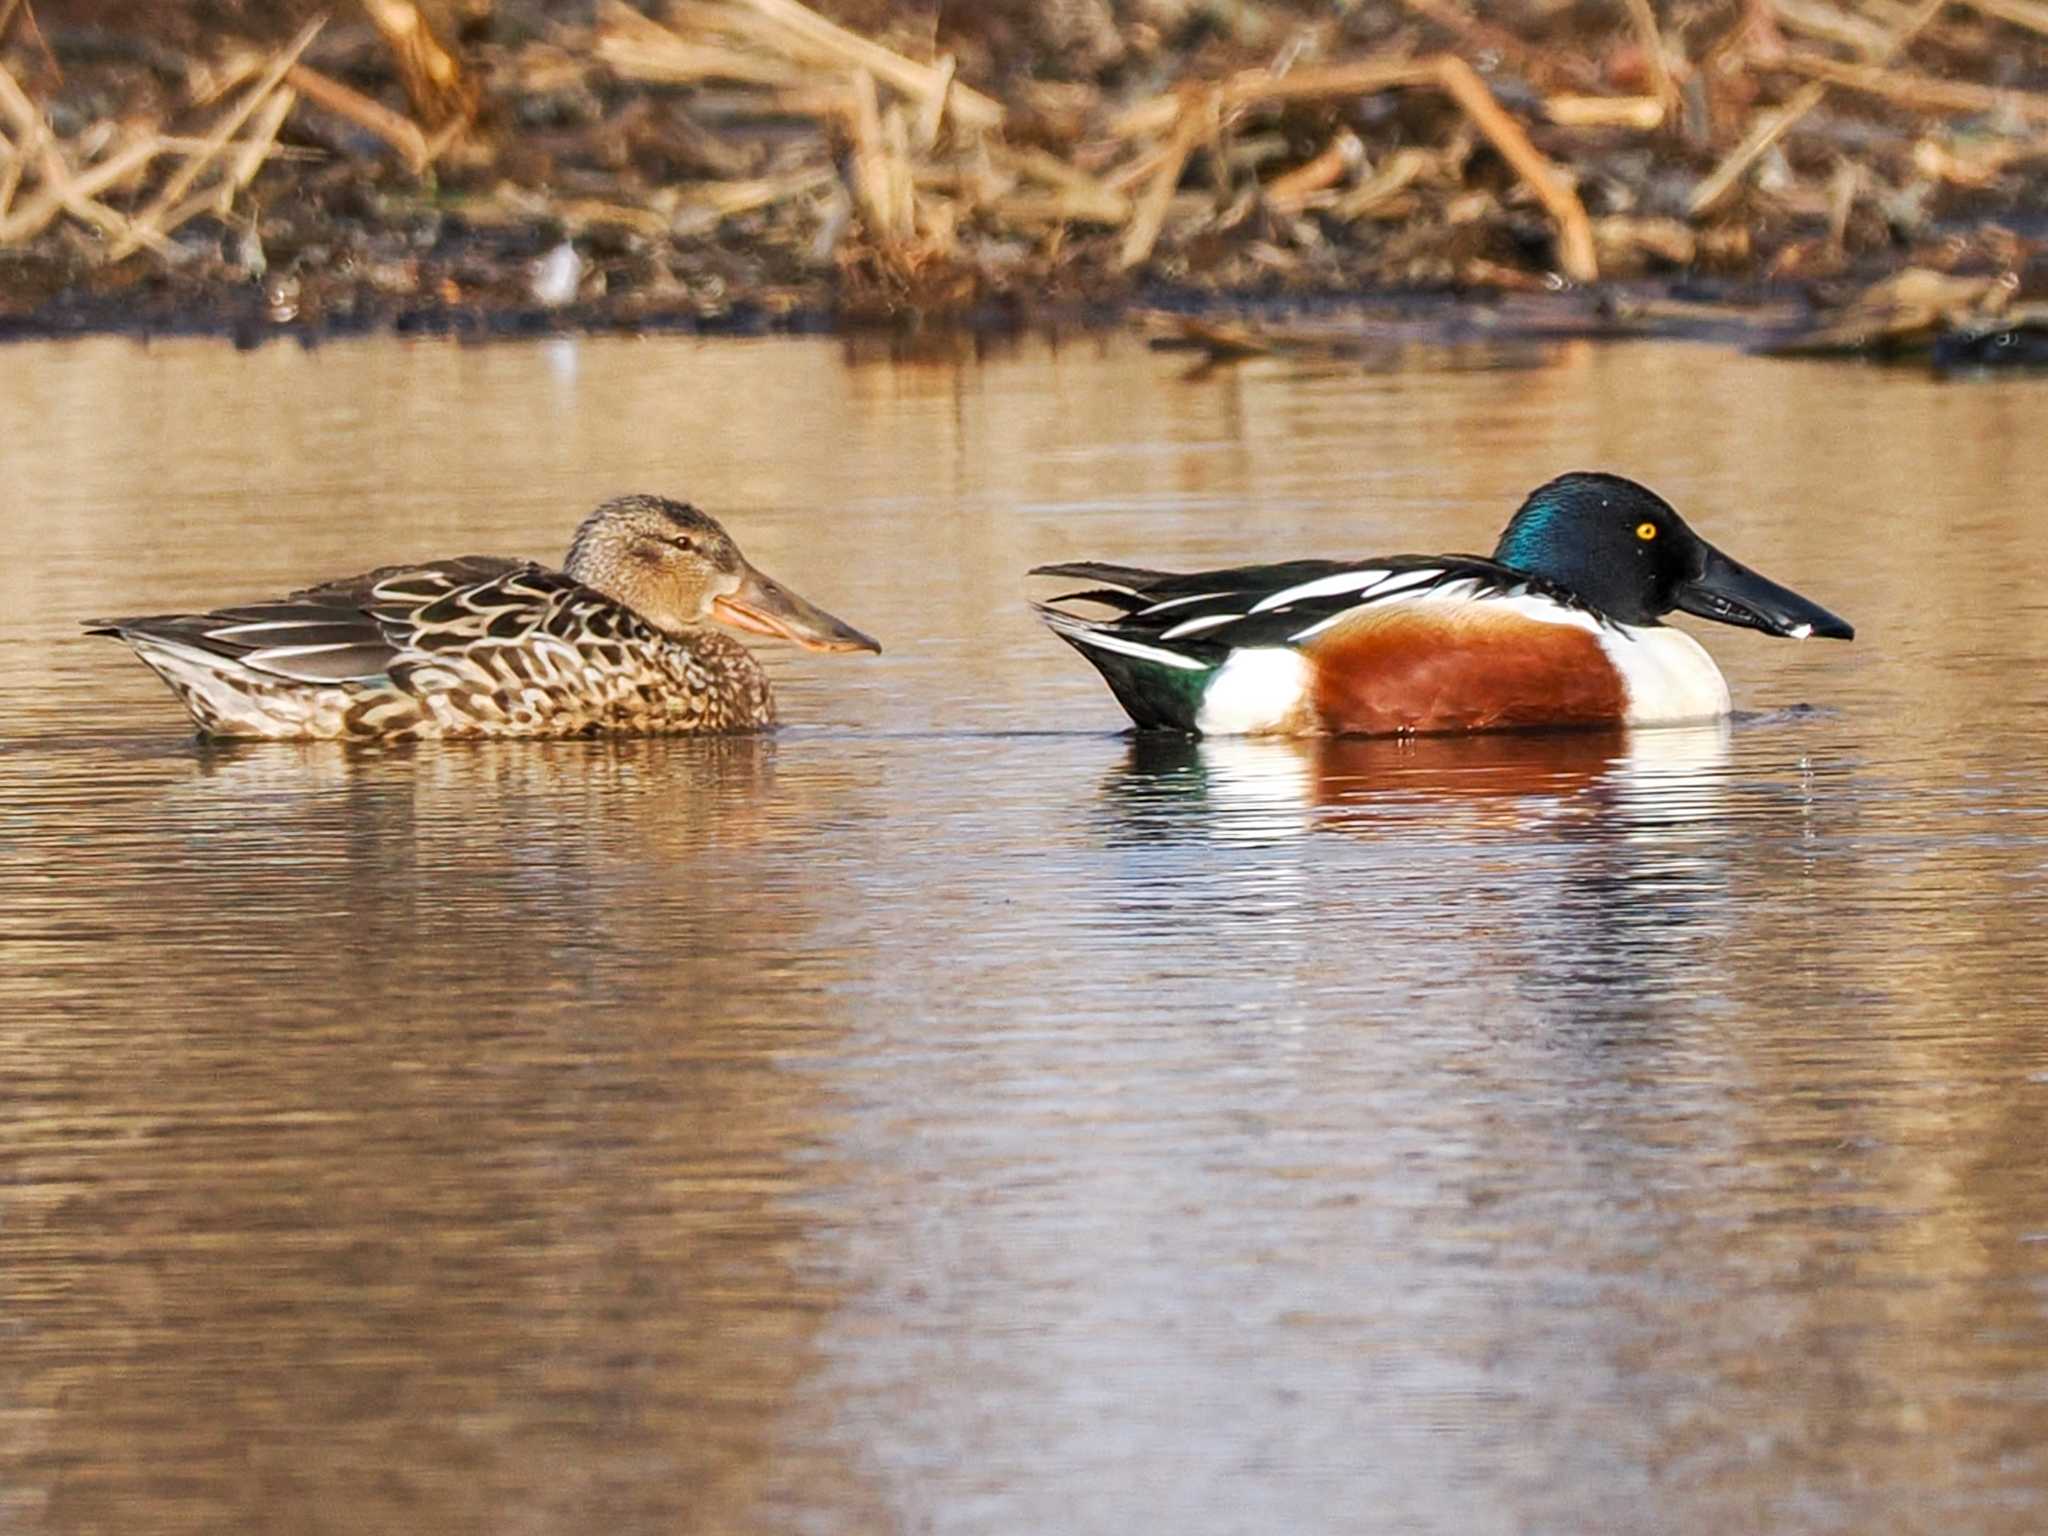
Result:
<point x="1668" y="675"/>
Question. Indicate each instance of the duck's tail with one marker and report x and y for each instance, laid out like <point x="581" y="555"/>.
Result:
<point x="1159" y="686"/>
<point x="224" y="697"/>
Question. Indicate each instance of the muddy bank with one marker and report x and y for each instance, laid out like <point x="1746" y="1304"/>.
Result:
<point x="1799" y="174"/>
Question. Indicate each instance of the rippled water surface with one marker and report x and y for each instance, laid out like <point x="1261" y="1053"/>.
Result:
<point x="950" y="1115"/>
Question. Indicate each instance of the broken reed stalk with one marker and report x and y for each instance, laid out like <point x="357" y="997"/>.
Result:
<point x="882" y="170"/>
<point x="968" y="106"/>
<point x="643" y="49"/>
<point x="1148" y="216"/>
<point x="255" y="149"/>
<point x="373" y="117"/>
<point x="870" y="177"/>
<point x="1383" y="189"/>
<point x="1086" y="195"/>
<point x="722" y="199"/>
<point x="675" y="62"/>
<point x="1258" y="88"/>
<point x="1772" y="125"/>
<point x="931" y="115"/>
<point x="1198" y="115"/>
<point x="1651" y="41"/>
<point x="147" y="225"/>
<point x="17" y="108"/>
<point x="1920" y="93"/>
<point x="1844" y="29"/>
<point x="60" y="185"/>
<point x="884" y="187"/>
<point x="1576" y="252"/>
<point x="10" y="172"/>
<point x="440" y="93"/>
<point x="1642" y="112"/>
<point x="76" y="193"/>
<point x="219" y="200"/>
<point x="1290" y="191"/>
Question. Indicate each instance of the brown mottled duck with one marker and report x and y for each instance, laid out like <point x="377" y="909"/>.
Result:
<point x="619" y="641"/>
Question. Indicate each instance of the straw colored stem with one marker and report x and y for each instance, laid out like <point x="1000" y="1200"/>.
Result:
<point x="400" y="132"/>
<point x="1920" y="93"/>
<point x="642" y="49"/>
<point x="60" y="186"/>
<point x="74" y="194"/>
<point x="1768" y="128"/>
<point x="174" y="190"/>
<point x="931" y="115"/>
<point x="1197" y="122"/>
<point x="1290" y="191"/>
<point x="10" y="172"/>
<point x="1651" y="40"/>
<point x="1257" y="88"/>
<point x="1576" y="253"/>
<point x="1773" y="125"/>
<point x="874" y="173"/>
<point x="18" y="109"/>
<point x="1829" y="23"/>
<point x="1641" y="112"/>
<point x="1385" y="187"/>
<point x="1077" y="194"/>
<point x="676" y="62"/>
<point x="248" y="160"/>
<point x="434" y="83"/>
<point x="724" y="199"/>
<point x="967" y="106"/>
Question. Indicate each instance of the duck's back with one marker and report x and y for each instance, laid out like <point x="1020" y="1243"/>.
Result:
<point x="1407" y="644"/>
<point x="477" y="645"/>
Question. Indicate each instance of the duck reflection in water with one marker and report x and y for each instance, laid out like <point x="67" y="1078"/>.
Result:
<point x="1548" y="858"/>
<point x="545" y="852"/>
<point x="1263" y="788"/>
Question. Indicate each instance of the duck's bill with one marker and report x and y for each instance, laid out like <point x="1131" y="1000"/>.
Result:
<point x="1729" y="592"/>
<point x="764" y="606"/>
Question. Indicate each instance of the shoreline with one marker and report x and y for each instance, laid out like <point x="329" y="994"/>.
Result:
<point x="1786" y="320"/>
<point x="500" y="168"/>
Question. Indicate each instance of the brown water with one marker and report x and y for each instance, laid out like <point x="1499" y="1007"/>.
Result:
<point x="948" y="1116"/>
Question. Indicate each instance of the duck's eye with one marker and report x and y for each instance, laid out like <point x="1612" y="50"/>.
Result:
<point x="1646" y="531"/>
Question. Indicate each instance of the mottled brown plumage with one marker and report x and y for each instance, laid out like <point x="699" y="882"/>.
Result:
<point x="477" y="646"/>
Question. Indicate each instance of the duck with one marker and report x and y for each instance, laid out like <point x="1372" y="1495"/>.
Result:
<point x="627" y="638"/>
<point x="1562" y="626"/>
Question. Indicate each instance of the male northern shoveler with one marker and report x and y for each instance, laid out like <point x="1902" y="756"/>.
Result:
<point x="1559" y="628"/>
<point x="616" y="642"/>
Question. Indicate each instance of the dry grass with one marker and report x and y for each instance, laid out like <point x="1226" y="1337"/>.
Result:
<point x="1430" y="156"/>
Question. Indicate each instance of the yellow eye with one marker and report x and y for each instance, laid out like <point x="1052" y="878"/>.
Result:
<point x="1646" y="531"/>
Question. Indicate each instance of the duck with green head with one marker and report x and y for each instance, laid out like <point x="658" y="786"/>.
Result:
<point x="1561" y="626"/>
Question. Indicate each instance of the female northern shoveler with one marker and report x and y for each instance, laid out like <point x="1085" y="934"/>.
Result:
<point x="1559" y="628"/>
<point x="618" y="641"/>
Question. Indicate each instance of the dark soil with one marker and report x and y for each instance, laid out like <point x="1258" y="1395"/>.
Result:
<point x="570" y="161"/>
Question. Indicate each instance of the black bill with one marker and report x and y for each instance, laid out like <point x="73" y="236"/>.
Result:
<point x="1729" y="592"/>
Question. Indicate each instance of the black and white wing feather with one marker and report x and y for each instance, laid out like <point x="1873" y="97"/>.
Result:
<point x="1197" y="619"/>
